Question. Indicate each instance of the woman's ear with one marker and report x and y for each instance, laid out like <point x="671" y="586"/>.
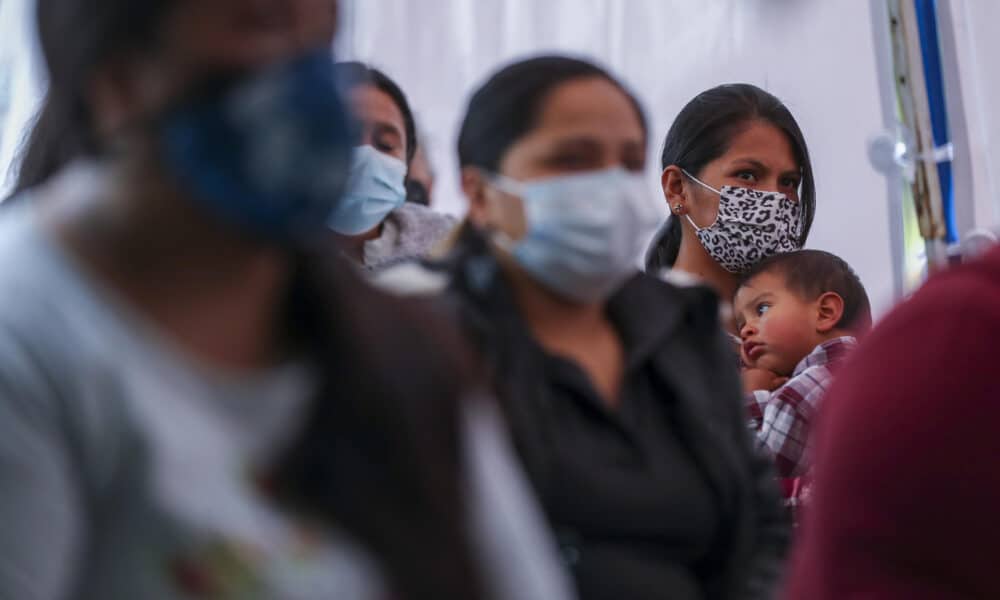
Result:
<point x="474" y="188"/>
<point x="126" y="91"/>
<point x="112" y="97"/>
<point x="672" y="181"/>
<point x="829" y="311"/>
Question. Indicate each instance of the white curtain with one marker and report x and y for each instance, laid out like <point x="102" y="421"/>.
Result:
<point x="20" y="80"/>
<point x="816" y="55"/>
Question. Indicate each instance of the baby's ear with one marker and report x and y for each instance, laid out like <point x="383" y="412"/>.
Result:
<point x="829" y="310"/>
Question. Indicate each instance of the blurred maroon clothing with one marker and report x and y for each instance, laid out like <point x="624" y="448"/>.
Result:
<point x="906" y="501"/>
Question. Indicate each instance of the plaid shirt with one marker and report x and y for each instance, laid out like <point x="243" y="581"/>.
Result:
<point x="782" y="419"/>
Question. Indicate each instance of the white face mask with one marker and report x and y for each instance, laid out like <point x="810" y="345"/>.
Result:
<point x="375" y="189"/>
<point x="585" y="232"/>
<point x="751" y="225"/>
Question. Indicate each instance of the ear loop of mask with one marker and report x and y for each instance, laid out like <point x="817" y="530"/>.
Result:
<point x="707" y="187"/>
<point x="511" y="187"/>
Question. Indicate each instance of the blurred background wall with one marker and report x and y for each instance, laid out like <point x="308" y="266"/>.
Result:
<point x="820" y="57"/>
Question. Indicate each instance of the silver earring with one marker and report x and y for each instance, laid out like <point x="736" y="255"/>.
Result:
<point x="678" y="208"/>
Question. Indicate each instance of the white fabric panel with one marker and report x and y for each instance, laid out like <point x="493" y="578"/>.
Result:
<point x="816" y="55"/>
<point x="976" y="47"/>
<point x="23" y="71"/>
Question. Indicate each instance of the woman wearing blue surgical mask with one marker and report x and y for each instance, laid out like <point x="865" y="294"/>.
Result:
<point x="374" y="224"/>
<point x="615" y="384"/>
<point x="192" y="392"/>
<point x="739" y="185"/>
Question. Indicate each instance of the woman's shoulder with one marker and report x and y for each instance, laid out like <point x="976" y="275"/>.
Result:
<point x="58" y="344"/>
<point x="419" y="229"/>
<point x="676" y="291"/>
<point x="412" y="279"/>
<point x="38" y="299"/>
<point x="467" y="258"/>
<point x="420" y="217"/>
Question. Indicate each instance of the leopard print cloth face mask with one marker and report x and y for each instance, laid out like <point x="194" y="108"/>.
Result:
<point x="751" y="226"/>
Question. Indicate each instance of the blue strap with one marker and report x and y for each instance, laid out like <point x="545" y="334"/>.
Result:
<point x="927" y="24"/>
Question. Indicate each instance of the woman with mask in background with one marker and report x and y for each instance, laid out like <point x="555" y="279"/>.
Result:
<point x="376" y="227"/>
<point x="193" y="401"/>
<point x="739" y="185"/>
<point x="630" y="432"/>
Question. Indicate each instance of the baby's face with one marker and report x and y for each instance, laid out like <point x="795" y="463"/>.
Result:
<point x="777" y="326"/>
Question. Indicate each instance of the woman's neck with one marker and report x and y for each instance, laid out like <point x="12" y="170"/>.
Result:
<point x="220" y="295"/>
<point x="694" y="260"/>
<point x="582" y="333"/>
<point x="548" y="316"/>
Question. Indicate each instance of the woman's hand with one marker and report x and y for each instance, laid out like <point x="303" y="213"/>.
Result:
<point x="761" y="379"/>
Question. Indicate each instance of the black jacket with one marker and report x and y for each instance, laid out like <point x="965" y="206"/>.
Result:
<point x="688" y="355"/>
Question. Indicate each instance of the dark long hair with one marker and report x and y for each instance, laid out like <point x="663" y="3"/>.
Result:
<point x="702" y="133"/>
<point x="380" y="453"/>
<point x="51" y="144"/>
<point x="352" y="74"/>
<point x="61" y="131"/>
<point x="507" y="106"/>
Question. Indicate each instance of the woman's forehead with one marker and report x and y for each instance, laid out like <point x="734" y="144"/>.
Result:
<point x="247" y="33"/>
<point x="590" y="104"/>
<point x="763" y="143"/>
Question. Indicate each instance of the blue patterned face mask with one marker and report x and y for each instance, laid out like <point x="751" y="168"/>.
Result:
<point x="374" y="190"/>
<point x="268" y="153"/>
<point x="585" y="232"/>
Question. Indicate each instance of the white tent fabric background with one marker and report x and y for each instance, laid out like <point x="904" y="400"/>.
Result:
<point x="816" y="55"/>
<point x="21" y="79"/>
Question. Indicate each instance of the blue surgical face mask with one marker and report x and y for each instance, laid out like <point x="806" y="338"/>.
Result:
<point x="268" y="153"/>
<point x="374" y="190"/>
<point x="584" y="232"/>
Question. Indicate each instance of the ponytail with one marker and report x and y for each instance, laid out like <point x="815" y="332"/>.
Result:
<point x="59" y="135"/>
<point x="665" y="247"/>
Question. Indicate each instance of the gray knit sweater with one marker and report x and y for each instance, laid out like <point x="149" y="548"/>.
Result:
<point x="409" y="233"/>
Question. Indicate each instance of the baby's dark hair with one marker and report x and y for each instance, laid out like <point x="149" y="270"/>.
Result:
<point x="812" y="273"/>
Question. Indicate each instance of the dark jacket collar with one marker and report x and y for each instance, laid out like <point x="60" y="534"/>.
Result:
<point x="678" y="330"/>
<point x="645" y="311"/>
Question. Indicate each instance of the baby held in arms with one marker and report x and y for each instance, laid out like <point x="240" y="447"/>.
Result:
<point x="799" y="315"/>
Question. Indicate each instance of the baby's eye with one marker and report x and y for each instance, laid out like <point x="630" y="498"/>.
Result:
<point x="762" y="308"/>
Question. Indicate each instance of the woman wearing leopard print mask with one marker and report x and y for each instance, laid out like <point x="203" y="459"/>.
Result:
<point x="738" y="183"/>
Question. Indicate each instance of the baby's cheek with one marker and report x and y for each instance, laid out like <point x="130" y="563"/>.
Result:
<point x="782" y="337"/>
<point x="771" y="361"/>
